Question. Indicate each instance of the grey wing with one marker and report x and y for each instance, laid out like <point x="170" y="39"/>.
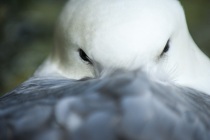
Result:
<point x="125" y="106"/>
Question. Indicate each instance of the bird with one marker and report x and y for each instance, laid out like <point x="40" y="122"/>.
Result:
<point x="120" y="69"/>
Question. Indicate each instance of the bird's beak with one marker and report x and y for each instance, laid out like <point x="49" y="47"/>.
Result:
<point x="98" y="69"/>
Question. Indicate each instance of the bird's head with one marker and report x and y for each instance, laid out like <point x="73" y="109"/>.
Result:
<point x="95" y="36"/>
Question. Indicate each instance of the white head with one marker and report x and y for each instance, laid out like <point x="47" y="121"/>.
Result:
<point x="98" y="35"/>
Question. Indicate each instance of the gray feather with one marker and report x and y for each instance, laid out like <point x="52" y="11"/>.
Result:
<point x="123" y="106"/>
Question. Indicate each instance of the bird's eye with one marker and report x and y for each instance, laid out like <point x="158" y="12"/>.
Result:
<point x="84" y="56"/>
<point x="166" y="48"/>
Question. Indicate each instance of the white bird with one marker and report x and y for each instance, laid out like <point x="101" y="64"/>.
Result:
<point x="94" y="36"/>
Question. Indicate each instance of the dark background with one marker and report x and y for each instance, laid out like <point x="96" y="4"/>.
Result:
<point x="27" y="28"/>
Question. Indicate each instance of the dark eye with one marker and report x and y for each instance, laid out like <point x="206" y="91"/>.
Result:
<point x="84" y="56"/>
<point x="166" y="48"/>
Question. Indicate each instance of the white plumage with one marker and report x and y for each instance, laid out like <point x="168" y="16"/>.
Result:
<point x="128" y="34"/>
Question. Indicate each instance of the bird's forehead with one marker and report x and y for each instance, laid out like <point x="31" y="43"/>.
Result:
<point x="129" y="41"/>
<point x="95" y="20"/>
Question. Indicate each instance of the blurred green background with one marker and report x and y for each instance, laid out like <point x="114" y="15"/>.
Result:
<point x="27" y="27"/>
